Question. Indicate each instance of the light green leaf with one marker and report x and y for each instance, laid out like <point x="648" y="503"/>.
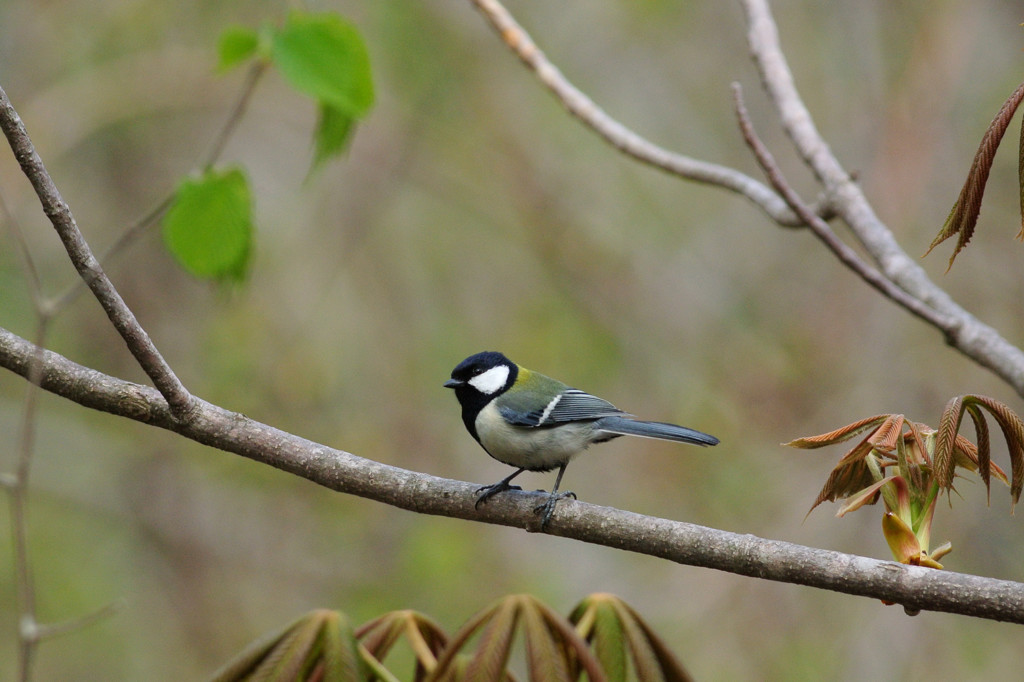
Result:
<point x="209" y="226"/>
<point x="902" y="542"/>
<point x="236" y="44"/>
<point x="332" y="133"/>
<point x="324" y="57"/>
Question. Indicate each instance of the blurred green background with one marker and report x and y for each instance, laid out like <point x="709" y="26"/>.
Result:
<point x="472" y="213"/>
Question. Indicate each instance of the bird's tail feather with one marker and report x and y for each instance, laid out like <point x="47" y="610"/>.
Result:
<point x="660" y="430"/>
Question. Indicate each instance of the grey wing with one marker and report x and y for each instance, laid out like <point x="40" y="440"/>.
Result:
<point x="568" y="406"/>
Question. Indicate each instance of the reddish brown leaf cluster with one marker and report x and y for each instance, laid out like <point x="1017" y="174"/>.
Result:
<point x="963" y="217"/>
<point x="909" y="464"/>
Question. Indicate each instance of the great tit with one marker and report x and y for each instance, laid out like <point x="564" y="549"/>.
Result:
<point x="536" y="423"/>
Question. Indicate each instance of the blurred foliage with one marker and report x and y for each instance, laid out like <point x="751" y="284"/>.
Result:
<point x="468" y="213"/>
<point x="603" y="639"/>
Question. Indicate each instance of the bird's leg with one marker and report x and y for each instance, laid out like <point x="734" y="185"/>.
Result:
<point x="489" y="491"/>
<point x="548" y="508"/>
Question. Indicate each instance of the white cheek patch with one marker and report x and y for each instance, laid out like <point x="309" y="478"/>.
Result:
<point x="490" y="381"/>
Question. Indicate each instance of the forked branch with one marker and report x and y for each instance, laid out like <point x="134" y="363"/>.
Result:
<point x="87" y="265"/>
<point x="894" y="270"/>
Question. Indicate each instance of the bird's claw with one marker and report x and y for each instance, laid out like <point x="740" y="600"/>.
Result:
<point x="548" y="508"/>
<point x="489" y="491"/>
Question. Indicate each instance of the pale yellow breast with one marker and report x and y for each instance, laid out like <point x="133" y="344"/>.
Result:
<point x="532" y="448"/>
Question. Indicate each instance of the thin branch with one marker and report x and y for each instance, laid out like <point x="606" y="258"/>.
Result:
<point x="821" y="229"/>
<point x="46" y="631"/>
<point x="684" y="543"/>
<point x="618" y="135"/>
<point x="252" y="77"/>
<point x="966" y="333"/>
<point x="88" y="267"/>
<point x="30" y="631"/>
<point x="118" y="247"/>
<point x="843" y="197"/>
<point x="18" y="494"/>
<point x="17" y="488"/>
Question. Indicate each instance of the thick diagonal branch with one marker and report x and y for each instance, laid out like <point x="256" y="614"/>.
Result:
<point x="846" y="255"/>
<point x="684" y="543"/>
<point x="87" y="265"/>
<point x="966" y="333"/>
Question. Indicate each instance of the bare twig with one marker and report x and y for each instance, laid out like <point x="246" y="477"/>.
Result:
<point x="30" y="631"/>
<point x="252" y="77"/>
<point x="684" y="543"/>
<point x="18" y="495"/>
<point x="17" y="486"/>
<point x="618" y="135"/>
<point x="843" y="197"/>
<point x="88" y="267"/>
<point x="821" y="229"/>
<point x="46" y="631"/>
<point x="963" y="331"/>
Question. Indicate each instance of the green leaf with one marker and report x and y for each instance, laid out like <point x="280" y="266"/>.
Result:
<point x="320" y="645"/>
<point x="608" y="641"/>
<point x="236" y="44"/>
<point x="208" y="227"/>
<point x="332" y="133"/>
<point x="901" y="539"/>
<point x="324" y="57"/>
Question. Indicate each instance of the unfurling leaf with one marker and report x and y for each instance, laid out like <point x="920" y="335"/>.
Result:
<point x="908" y="464"/>
<point x="1012" y="427"/>
<point x="598" y="623"/>
<point x="941" y="551"/>
<point x="902" y="542"/>
<point x="949" y="424"/>
<point x="963" y="217"/>
<point x="837" y="436"/>
<point x="867" y="496"/>
<point x="425" y="637"/>
<point x="552" y="644"/>
<point x="618" y="636"/>
<point x="888" y="434"/>
<point x="849" y="476"/>
<point x="320" y="645"/>
<point x="983" y="450"/>
<point x="1020" y="179"/>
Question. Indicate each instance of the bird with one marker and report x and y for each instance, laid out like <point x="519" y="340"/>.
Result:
<point x="535" y="423"/>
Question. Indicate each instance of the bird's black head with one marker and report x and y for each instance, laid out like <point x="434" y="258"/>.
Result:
<point x="478" y="380"/>
<point x="489" y="374"/>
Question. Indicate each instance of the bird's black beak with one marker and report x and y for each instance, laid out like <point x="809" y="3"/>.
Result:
<point x="453" y="383"/>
